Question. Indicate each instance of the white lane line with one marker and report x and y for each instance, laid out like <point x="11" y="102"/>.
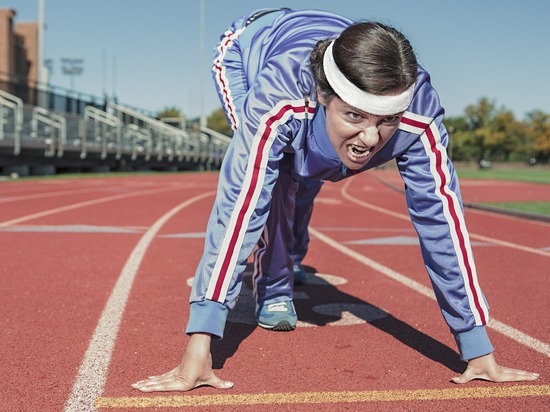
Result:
<point x="72" y="229"/>
<point x="92" y="374"/>
<point x="511" y="245"/>
<point x="81" y="204"/>
<point x="20" y="198"/>
<point x="520" y="337"/>
<point x="506" y="330"/>
<point x="413" y="284"/>
<point x="406" y="217"/>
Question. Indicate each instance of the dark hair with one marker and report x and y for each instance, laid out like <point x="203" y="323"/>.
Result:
<point x="375" y="57"/>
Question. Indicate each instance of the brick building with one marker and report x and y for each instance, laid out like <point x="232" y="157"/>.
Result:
<point x="18" y="48"/>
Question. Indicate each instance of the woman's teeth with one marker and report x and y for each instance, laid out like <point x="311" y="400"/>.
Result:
<point x="358" y="151"/>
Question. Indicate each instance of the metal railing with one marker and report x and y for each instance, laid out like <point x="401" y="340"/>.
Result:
<point x="106" y="131"/>
<point x="13" y="105"/>
<point x="218" y="145"/>
<point x="52" y="123"/>
<point x="167" y="141"/>
<point x="139" y="136"/>
<point x="120" y="134"/>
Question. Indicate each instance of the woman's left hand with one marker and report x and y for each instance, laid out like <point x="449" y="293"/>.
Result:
<point x="486" y="368"/>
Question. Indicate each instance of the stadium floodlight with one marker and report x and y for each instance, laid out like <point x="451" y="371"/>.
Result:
<point x="72" y="67"/>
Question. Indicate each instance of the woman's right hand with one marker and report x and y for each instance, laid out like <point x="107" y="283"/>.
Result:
<point x="194" y="370"/>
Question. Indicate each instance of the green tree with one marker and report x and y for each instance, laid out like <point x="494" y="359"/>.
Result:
<point x="478" y="133"/>
<point x="169" y="111"/>
<point x="218" y="122"/>
<point x="486" y="132"/>
<point x="538" y="131"/>
<point x="507" y="137"/>
<point x="456" y="147"/>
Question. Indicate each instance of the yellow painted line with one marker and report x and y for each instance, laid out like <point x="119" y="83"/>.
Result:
<point x="322" y="397"/>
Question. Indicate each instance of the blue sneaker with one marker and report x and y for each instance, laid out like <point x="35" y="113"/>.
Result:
<point x="299" y="274"/>
<point x="279" y="316"/>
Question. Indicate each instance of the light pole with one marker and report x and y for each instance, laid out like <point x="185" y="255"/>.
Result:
<point x="42" y="74"/>
<point x="201" y="63"/>
<point x="43" y="70"/>
<point x="72" y="68"/>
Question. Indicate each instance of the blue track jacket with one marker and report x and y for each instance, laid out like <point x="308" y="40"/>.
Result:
<point x="278" y="115"/>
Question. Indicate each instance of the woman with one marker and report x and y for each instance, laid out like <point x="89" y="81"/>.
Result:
<point x="313" y="96"/>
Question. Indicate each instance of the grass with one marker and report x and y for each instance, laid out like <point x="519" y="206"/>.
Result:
<point x="523" y="174"/>
<point x="539" y="208"/>
<point x="533" y="175"/>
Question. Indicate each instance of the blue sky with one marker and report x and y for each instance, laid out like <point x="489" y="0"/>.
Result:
<point x="148" y="52"/>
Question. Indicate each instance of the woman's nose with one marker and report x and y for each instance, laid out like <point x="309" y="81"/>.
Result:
<point x="369" y="136"/>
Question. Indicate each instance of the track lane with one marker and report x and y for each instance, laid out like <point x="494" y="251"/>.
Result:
<point x="253" y="367"/>
<point x="55" y="286"/>
<point x="501" y="268"/>
<point x="92" y="374"/>
<point x="362" y="358"/>
<point x="151" y="336"/>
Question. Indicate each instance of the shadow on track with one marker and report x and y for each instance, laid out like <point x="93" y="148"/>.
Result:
<point x="326" y="304"/>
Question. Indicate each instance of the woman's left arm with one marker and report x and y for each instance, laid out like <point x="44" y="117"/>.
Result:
<point x="436" y="210"/>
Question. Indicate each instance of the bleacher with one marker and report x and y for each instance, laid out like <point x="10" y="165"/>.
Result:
<point x="43" y="132"/>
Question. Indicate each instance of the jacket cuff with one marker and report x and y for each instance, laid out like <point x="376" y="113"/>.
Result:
<point x="473" y="343"/>
<point x="207" y="317"/>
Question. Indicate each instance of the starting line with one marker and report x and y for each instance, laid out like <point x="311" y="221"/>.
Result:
<point x="296" y="398"/>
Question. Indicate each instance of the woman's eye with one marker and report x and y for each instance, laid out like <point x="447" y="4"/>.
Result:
<point x="390" y="119"/>
<point x="354" y="116"/>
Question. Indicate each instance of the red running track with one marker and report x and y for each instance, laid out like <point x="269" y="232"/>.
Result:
<point x="95" y="279"/>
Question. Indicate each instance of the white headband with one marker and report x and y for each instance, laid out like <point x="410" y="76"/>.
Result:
<point x="353" y="95"/>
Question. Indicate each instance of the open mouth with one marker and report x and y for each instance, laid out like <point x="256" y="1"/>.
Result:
<point x="358" y="152"/>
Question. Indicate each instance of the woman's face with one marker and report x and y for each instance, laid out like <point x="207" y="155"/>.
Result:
<point x="356" y="135"/>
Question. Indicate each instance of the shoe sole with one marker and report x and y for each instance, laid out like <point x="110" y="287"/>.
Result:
<point x="283" y="326"/>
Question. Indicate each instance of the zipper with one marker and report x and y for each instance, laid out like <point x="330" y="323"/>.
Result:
<point x="344" y="170"/>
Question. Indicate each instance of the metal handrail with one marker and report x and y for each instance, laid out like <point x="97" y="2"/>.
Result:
<point x="16" y="104"/>
<point x="55" y="122"/>
<point x="139" y="134"/>
<point x="115" y="131"/>
<point x="219" y="143"/>
<point x="167" y="139"/>
<point x="222" y="138"/>
<point x="99" y="117"/>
